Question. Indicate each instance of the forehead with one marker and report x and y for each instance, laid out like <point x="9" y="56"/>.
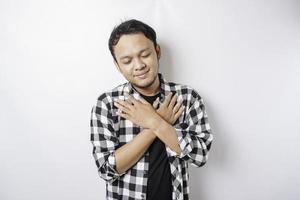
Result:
<point x="132" y="44"/>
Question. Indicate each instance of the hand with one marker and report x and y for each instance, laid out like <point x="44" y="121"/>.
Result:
<point x="139" y="112"/>
<point x="170" y="109"/>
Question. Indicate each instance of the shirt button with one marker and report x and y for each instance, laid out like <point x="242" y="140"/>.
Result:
<point x="143" y="196"/>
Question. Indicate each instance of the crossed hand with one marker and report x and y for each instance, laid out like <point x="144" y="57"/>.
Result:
<point x="146" y="115"/>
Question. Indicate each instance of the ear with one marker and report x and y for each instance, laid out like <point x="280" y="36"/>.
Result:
<point x="158" y="51"/>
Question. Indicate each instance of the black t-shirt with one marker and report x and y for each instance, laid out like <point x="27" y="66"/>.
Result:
<point x="159" y="175"/>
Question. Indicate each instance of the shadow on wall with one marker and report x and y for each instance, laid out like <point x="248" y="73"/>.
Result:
<point x="218" y="158"/>
<point x="166" y="66"/>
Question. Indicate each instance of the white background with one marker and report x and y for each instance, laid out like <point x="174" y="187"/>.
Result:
<point x="241" y="56"/>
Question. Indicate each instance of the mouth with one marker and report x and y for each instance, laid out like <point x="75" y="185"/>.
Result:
<point x="143" y="75"/>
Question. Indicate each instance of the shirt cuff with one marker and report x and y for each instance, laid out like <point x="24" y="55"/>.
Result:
<point x="112" y="167"/>
<point x="184" y="140"/>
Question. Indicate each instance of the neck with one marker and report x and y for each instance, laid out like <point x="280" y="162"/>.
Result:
<point x="152" y="90"/>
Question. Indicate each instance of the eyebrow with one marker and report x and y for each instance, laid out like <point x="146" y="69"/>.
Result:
<point x="143" y="50"/>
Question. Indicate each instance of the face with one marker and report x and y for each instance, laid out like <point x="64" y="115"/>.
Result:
<point x="137" y="59"/>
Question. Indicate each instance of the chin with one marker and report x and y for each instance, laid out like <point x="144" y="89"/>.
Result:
<point x="144" y="83"/>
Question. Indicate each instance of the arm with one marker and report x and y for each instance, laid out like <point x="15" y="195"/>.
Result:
<point x="194" y="134"/>
<point x="167" y="134"/>
<point x="159" y="120"/>
<point x="169" y="110"/>
<point x="130" y="153"/>
<point x="110" y="159"/>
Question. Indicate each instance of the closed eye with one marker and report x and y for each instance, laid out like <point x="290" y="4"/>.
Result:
<point x="146" y="55"/>
<point x="127" y="61"/>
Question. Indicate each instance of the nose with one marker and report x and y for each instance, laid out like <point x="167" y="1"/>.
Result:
<point x="139" y="64"/>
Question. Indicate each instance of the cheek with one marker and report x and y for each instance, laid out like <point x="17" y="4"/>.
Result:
<point x="152" y="61"/>
<point x="128" y="72"/>
<point x="126" y="69"/>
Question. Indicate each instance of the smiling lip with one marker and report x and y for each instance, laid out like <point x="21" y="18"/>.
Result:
<point x="142" y="75"/>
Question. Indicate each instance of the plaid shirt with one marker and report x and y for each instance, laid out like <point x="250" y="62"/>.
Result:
<point x="110" y="131"/>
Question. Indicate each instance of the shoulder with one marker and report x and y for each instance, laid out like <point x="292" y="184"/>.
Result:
<point x="187" y="92"/>
<point x="106" y="98"/>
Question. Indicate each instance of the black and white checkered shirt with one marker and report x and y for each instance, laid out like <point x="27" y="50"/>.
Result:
<point x="109" y="131"/>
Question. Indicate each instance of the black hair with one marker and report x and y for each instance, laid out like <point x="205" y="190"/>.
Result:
<point x="130" y="27"/>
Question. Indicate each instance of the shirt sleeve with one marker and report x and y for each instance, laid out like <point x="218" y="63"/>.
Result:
<point x="194" y="135"/>
<point x="104" y="142"/>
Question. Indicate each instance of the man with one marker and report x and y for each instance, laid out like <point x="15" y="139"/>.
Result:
<point x="146" y="131"/>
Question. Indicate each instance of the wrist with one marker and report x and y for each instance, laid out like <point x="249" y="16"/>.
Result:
<point x="156" y="122"/>
<point x="161" y="127"/>
<point x="149" y="133"/>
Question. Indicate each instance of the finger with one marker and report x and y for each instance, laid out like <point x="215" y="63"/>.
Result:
<point x="173" y="101"/>
<point x="143" y="100"/>
<point x="124" y="115"/>
<point x="177" y="106"/>
<point x="155" y="103"/>
<point x="180" y="111"/>
<point x="167" y="100"/>
<point x="131" y="99"/>
<point x="121" y="106"/>
<point x="125" y="103"/>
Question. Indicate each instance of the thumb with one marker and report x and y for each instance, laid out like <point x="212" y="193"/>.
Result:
<point x="155" y="103"/>
<point x="143" y="100"/>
